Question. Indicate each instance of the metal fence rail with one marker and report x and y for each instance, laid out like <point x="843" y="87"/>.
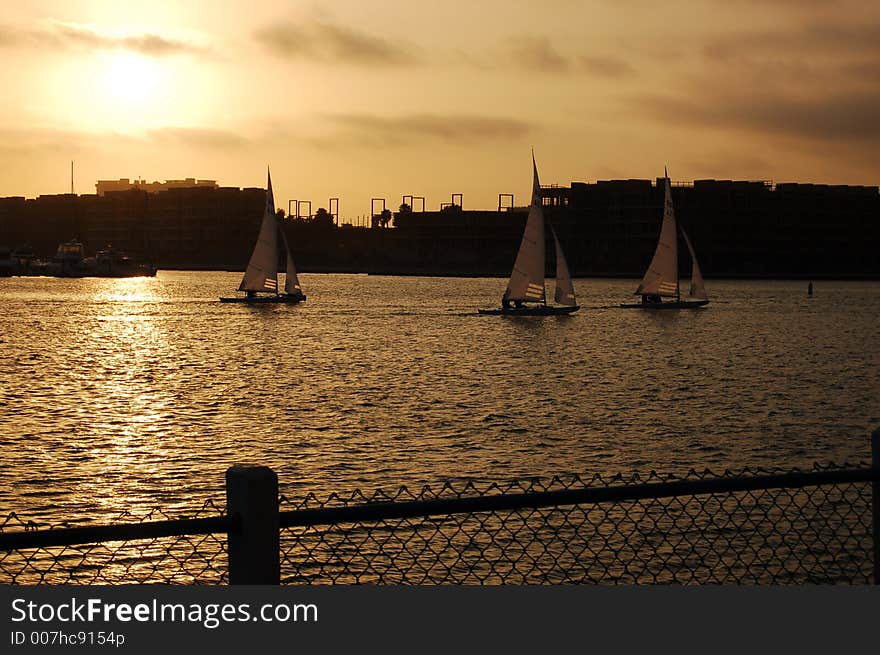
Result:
<point x="750" y="526"/>
<point x="169" y="551"/>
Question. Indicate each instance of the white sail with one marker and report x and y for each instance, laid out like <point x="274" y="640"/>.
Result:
<point x="661" y="277"/>
<point x="564" y="287"/>
<point x="291" y="281"/>
<point x="527" y="279"/>
<point x="262" y="269"/>
<point x="698" y="287"/>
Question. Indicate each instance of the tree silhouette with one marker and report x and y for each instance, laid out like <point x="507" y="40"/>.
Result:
<point x="322" y="218"/>
<point x="404" y="212"/>
<point x="382" y="219"/>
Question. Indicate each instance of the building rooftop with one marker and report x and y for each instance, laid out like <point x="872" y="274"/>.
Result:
<point x="124" y="184"/>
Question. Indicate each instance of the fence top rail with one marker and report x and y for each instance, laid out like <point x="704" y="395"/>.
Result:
<point x="378" y="511"/>
<point x="24" y="539"/>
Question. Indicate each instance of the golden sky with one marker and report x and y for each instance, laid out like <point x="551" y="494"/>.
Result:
<point x="361" y="99"/>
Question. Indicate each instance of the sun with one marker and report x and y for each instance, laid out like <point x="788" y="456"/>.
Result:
<point x="131" y="81"/>
<point x="126" y="92"/>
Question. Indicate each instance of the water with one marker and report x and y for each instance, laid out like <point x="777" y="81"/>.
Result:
<point x="126" y="395"/>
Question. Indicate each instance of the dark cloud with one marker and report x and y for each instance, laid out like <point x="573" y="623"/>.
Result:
<point x="719" y="163"/>
<point x="538" y="54"/>
<point x="834" y="116"/>
<point x="865" y="70"/>
<point x="69" y="35"/>
<point x="818" y="38"/>
<point x="816" y="80"/>
<point x="800" y="5"/>
<point x="333" y="43"/>
<point x="155" y="45"/>
<point x="366" y="129"/>
<point x="146" y="44"/>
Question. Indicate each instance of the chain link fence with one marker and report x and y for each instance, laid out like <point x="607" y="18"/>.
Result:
<point x="820" y="533"/>
<point x="754" y="526"/>
<point x="175" y="559"/>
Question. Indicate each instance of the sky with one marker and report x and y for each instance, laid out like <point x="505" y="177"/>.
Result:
<point x="362" y="100"/>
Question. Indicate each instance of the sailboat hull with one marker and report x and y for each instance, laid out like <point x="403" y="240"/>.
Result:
<point x="673" y="304"/>
<point x="281" y="298"/>
<point x="540" y="310"/>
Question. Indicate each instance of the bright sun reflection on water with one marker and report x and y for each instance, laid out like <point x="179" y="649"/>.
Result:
<point x="128" y="289"/>
<point x="128" y="423"/>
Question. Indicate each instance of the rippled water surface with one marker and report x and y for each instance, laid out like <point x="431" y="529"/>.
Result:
<point x="131" y="394"/>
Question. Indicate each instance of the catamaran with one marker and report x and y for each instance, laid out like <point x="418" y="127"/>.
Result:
<point x="661" y="279"/>
<point x="526" y="283"/>
<point x="261" y="275"/>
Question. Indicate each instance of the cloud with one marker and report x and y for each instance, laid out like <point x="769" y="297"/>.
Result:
<point x="371" y="130"/>
<point x="865" y="70"/>
<point x="834" y="115"/>
<point x="321" y="40"/>
<point x="25" y="141"/>
<point x="62" y="35"/>
<point x="199" y="137"/>
<point x="800" y="5"/>
<point x="606" y="66"/>
<point x="538" y="54"/>
<point x="810" y="40"/>
<point x="720" y="163"/>
<point x="9" y="36"/>
<point x="816" y="81"/>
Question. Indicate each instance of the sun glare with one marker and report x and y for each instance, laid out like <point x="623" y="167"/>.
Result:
<point x="130" y="80"/>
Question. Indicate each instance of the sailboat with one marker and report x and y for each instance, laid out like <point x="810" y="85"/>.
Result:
<point x="697" y="290"/>
<point x="526" y="283"/>
<point x="261" y="275"/>
<point x="661" y="278"/>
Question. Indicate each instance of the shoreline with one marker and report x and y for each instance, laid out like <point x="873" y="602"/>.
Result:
<point x="792" y="277"/>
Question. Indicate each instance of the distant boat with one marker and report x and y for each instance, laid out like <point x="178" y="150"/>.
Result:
<point x="70" y="261"/>
<point x="111" y="262"/>
<point x="526" y="283"/>
<point x="661" y="279"/>
<point x="261" y="275"/>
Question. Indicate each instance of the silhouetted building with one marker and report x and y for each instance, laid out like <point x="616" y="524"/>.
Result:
<point x="187" y="227"/>
<point x="124" y="184"/>
<point x="203" y="227"/>
<point x="457" y="242"/>
<point x="609" y="227"/>
<point x="738" y="228"/>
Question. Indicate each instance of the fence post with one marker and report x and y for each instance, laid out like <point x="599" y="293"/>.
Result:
<point x="253" y="548"/>
<point x="875" y="502"/>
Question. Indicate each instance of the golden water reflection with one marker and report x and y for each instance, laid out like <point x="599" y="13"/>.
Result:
<point x="126" y="289"/>
<point x="126" y="423"/>
<point x="133" y="394"/>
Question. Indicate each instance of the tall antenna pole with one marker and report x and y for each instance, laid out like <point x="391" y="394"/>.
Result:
<point x="71" y="177"/>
